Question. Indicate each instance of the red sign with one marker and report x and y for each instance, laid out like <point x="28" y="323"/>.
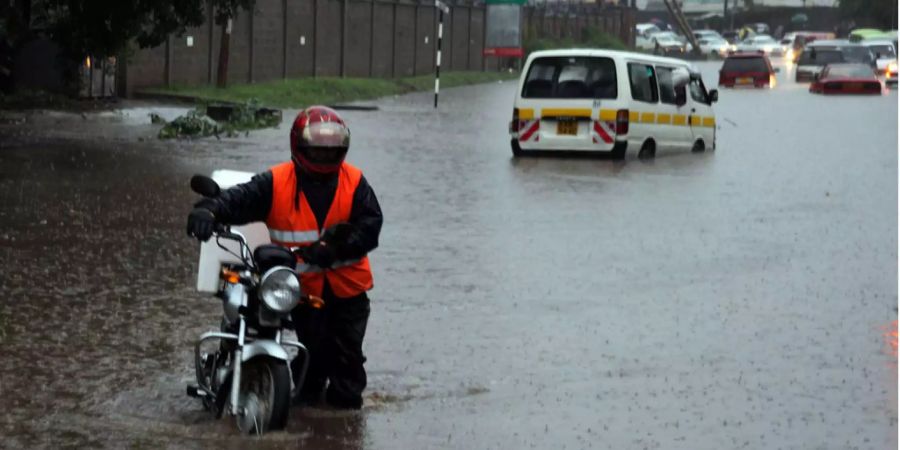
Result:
<point x="504" y="51"/>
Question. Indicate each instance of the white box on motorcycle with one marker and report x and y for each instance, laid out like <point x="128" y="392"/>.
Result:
<point x="211" y="256"/>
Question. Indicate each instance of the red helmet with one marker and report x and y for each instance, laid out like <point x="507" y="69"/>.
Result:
<point x="319" y="140"/>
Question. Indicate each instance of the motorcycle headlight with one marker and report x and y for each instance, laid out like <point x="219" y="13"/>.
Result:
<point x="280" y="289"/>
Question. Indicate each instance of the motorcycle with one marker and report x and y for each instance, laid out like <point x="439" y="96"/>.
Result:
<point x="249" y="375"/>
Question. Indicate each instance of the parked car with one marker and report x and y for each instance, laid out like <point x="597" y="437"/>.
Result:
<point x="763" y="42"/>
<point x="846" y="79"/>
<point x="747" y="70"/>
<point x="588" y="100"/>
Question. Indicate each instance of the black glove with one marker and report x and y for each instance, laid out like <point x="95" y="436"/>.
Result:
<point x="201" y="222"/>
<point x="318" y="254"/>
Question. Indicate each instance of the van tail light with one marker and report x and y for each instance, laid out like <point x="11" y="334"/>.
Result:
<point x="514" y="125"/>
<point x="622" y="121"/>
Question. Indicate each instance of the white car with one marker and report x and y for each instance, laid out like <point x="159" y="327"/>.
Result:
<point x="714" y="46"/>
<point x="883" y="51"/>
<point x="762" y="42"/>
<point x="707" y="34"/>
<point x="643" y="31"/>
<point x="668" y="42"/>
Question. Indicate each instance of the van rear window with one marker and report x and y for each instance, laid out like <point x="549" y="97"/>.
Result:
<point x="745" y="64"/>
<point x="814" y="57"/>
<point x="578" y="77"/>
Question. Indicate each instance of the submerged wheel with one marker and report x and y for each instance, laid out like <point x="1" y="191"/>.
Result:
<point x="516" y="149"/>
<point x="648" y="150"/>
<point x="265" y="395"/>
<point x="699" y="146"/>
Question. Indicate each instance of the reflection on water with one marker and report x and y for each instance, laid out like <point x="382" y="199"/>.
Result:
<point x="890" y="340"/>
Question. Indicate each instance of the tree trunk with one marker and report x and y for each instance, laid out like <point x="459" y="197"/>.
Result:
<point x="222" y="74"/>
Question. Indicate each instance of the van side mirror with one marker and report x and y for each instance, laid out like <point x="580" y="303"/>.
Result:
<point x="680" y="78"/>
<point x="713" y="96"/>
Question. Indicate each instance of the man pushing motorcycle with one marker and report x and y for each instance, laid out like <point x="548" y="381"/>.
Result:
<point x="325" y="206"/>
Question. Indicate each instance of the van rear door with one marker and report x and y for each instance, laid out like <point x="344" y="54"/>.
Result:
<point x="563" y="96"/>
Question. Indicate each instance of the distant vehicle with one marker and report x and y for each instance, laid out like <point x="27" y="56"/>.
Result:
<point x="794" y="42"/>
<point x="668" y="42"/>
<point x="707" y="34"/>
<point x="643" y="31"/>
<point x="884" y="52"/>
<point x="606" y="101"/>
<point x="747" y="70"/>
<point x="846" y="79"/>
<point x="759" y="27"/>
<point x="860" y="34"/>
<point x="822" y="52"/>
<point x="764" y="43"/>
<point x="714" y="46"/>
<point x="731" y="36"/>
<point x="890" y="74"/>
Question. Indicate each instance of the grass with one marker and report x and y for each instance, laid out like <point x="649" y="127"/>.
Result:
<point x="300" y="92"/>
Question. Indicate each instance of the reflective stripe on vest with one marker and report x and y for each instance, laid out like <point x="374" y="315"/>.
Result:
<point x="296" y="226"/>
<point x="297" y="237"/>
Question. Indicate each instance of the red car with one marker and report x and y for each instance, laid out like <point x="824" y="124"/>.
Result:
<point x="747" y="69"/>
<point x="846" y="79"/>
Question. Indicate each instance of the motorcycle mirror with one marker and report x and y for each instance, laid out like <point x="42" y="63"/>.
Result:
<point x="205" y="186"/>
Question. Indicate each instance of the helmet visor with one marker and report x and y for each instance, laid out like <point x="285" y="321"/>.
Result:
<point x="325" y="155"/>
<point x="326" y="134"/>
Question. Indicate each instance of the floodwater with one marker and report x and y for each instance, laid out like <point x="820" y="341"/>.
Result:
<point x="741" y="298"/>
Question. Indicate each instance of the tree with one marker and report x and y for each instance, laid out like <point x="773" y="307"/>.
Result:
<point x="225" y="11"/>
<point x="881" y="12"/>
<point x="108" y="27"/>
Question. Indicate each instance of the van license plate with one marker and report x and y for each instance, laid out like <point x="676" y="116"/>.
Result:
<point x="744" y="80"/>
<point x="567" y="127"/>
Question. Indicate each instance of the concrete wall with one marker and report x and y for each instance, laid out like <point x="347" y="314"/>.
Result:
<point x="298" y="38"/>
<point x="551" y="21"/>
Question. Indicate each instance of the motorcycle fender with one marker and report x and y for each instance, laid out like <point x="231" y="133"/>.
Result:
<point x="264" y="348"/>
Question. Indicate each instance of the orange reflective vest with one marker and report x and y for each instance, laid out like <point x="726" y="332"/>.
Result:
<point x="297" y="227"/>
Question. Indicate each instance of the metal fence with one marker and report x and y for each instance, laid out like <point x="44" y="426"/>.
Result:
<point x="301" y="38"/>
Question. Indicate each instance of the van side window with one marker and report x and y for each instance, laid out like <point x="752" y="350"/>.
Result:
<point x="643" y="83"/>
<point x="698" y="92"/>
<point x="667" y="91"/>
<point x="573" y="77"/>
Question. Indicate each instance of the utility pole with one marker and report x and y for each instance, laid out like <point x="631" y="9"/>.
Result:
<point x="725" y="16"/>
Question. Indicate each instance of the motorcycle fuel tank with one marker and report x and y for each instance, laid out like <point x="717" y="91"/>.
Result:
<point x="211" y="256"/>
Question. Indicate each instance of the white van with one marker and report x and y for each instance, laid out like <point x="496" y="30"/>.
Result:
<point x="587" y="100"/>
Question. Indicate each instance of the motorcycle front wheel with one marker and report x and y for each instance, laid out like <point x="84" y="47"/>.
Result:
<point x="265" y="395"/>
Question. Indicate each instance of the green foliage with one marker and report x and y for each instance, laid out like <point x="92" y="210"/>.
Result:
<point x="883" y="12"/>
<point x="226" y="9"/>
<point x="591" y="38"/>
<point x="106" y="27"/>
<point x="196" y="123"/>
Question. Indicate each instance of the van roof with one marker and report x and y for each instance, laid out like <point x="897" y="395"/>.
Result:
<point x="610" y="53"/>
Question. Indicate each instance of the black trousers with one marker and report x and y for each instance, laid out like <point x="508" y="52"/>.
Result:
<point x="334" y="336"/>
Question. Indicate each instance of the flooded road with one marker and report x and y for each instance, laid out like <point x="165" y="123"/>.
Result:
<point x="741" y="298"/>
